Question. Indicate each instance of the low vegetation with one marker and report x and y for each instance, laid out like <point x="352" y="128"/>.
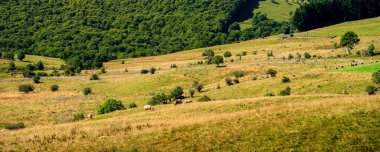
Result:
<point x="110" y="105"/>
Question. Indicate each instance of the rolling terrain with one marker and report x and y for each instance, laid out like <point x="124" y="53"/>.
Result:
<point x="328" y="109"/>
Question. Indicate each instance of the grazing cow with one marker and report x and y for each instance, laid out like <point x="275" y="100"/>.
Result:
<point x="188" y="101"/>
<point x="90" y="116"/>
<point x="148" y="107"/>
<point x="177" y="102"/>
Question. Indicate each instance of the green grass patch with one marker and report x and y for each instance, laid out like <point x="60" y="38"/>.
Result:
<point x="370" y="68"/>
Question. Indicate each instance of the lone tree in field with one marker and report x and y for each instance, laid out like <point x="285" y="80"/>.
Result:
<point x="217" y="60"/>
<point x="349" y="40"/>
<point x="21" y="56"/>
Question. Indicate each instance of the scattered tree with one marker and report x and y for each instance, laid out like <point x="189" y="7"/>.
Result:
<point x="78" y="117"/>
<point x="28" y="74"/>
<point x="198" y="86"/>
<point x="158" y="99"/>
<point x="376" y="77"/>
<point x="12" y="67"/>
<point x="191" y="92"/>
<point x="217" y="60"/>
<point x="177" y="93"/>
<point x="349" y="40"/>
<point x="9" y="56"/>
<point x="228" y="82"/>
<point x="30" y="67"/>
<point x="110" y="105"/>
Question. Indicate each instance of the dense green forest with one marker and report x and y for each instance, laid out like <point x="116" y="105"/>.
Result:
<point x="320" y="13"/>
<point x="88" y="32"/>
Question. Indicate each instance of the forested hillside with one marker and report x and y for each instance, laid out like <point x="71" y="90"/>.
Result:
<point x="320" y="13"/>
<point x="88" y="32"/>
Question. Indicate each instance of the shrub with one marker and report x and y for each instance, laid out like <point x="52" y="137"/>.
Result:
<point x="15" y="126"/>
<point x="78" y="116"/>
<point x="198" y="86"/>
<point x="370" y="50"/>
<point x="177" y="93"/>
<point x="87" y="91"/>
<point x="94" y="77"/>
<point x="173" y="66"/>
<point x="371" y="90"/>
<point x="39" y="65"/>
<point x="41" y="74"/>
<point x="269" y="54"/>
<point x="236" y="81"/>
<point x="8" y="56"/>
<point x="122" y="62"/>
<point x="54" y="88"/>
<point x="30" y="67"/>
<point x="204" y="98"/>
<point x="290" y="56"/>
<point x="11" y="66"/>
<point x="144" y="71"/>
<point x="191" y="92"/>
<point x="26" y="88"/>
<point x="110" y="105"/>
<point x="21" y="56"/>
<point x="217" y="60"/>
<point x="244" y="53"/>
<point x="307" y="55"/>
<point x="270" y="94"/>
<point x="28" y="74"/>
<point x="36" y="79"/>
<point x="132" y="105"/>
<point x="227" y="54"/>
<point x="254" y="53"/>
<point x="78" y="70"/>
<point x="272" y="72"/>
<point x="152" y="70"/>
<point x="349" y="40"/>
<point x="285" y="92"/>
<point x="208" y="53"/>
<point x="218" y="86"/>
<point x="103" y="70"/>
<point x="228" y="82"/>
<point x="238" y="74"/>
<point x="376" y="77"/>
<point x="285" y="80"/>
<point x="158" y="99"/>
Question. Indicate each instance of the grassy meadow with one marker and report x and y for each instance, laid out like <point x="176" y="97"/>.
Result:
<point x="328" y="109"/>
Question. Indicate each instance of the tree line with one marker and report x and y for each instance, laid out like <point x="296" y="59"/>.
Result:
<point x="320" y="13"/>
<point x="87" y="33"/>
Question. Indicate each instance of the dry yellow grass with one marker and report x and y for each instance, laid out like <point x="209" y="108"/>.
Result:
<point x="316" y="91"/>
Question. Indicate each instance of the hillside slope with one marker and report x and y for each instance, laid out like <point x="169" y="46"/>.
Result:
<point x="327" y="109"/>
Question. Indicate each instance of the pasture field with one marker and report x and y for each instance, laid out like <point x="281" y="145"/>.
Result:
<point x="279" y="11"/>
<point x="328" y="109"/>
